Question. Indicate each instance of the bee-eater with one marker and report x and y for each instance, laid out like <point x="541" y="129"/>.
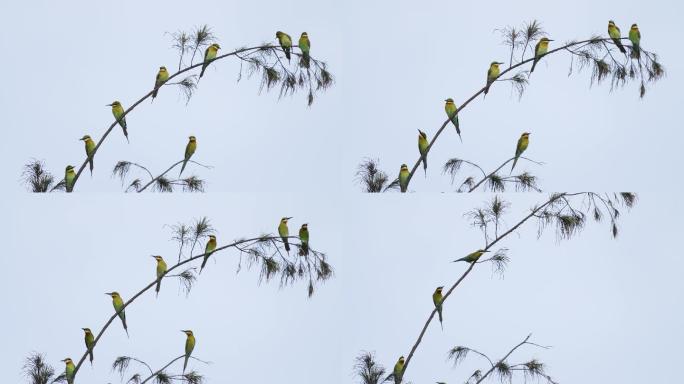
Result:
<point x="284" y="232"/>
<point x="70" y="370"/>
<point x="452" y="113"/>
<point x="492" y="74"/>
<point x="423" y="148"/>
<point x="540" y="50"/>
<point x="635" y="38"/>
<point x="523" y="141"/>
<point x="614" y="33"/>
<point x="304" y="238"/>
<point x="208" y="250"/>
<point x="437" y="300"/>
<point x="69" y="177"/>
<point x="118" y="112"/>
<point x="209" y="56"/>
<point x="162" y="76"/>
<point x="473" y="257"/>
<point x="189" y="346"/>
<point x="90" y="149"/>
<point x="161" y="271"/>
<point x="189" y="151"/>
<point x="305" y="47"/>
<point x="398" y="371"/>
<point x="403" y="178"/>
<point x="118" y="303"/>
<point x="89" y="342"/>
<point x="285" y="43"/>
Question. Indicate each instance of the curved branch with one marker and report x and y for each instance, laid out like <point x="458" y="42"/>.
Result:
<point x="162" y="369"/>
<point x="474" y="187"/>
<point x="167" y="171"/>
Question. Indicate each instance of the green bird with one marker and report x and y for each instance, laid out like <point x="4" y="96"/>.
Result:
<point x="209" y="56"/>
<point x="69" y="178"/>
<point x="118" y="304"/>
<point x="523" y="142"/>
<point x="208" y="250"/>
<point x="452" y="113"/>
<point x="161" y="271"/>
<point x="189" y="151"/>
<point x="285" y="43"/>
<point x="423" y="145"/>
<point x="492" y="74"/>
<point x="118" y="112"/>
<point x="304" y="239"/>
<point x="162" y="76"/>
<point x="437" y="300"/>
<point x="398" y="371"/>
<point x="635" y="38"/>
<point x="89" y="342"/>
<point x="540" y="50"/>
<point x="284" y="232"/>
<point x="189" y="346"/>
<point x="403" y="178"/>
<point x="473" y="257"/>
<point x="614" y="33"/>
<point x="90" y="150"/>
<point x="70" y="370"/>
<point x="305" y="47"/>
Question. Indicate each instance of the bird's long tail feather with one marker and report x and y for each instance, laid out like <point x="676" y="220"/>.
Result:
<point x="287" y="244"/>
<point x="90" y="351"/>
<point x="185" y="363"/>
<point x="158" y="287"/>
<point x="204" y="262"/>
<point x="183" y="167"/>
<point x="514" y="162"/>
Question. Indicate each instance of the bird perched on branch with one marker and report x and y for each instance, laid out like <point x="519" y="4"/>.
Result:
<point x="403" y="178"/>
<point x="284" y="232"/>
<point x="90" y="149"/>
<point x="70" y="370"/>
<point x="189" y="151"/>
<point x="162" y="76"/>
<point x="161" y="271"/>
<point x="452" y="113"/>
<point x="305" y="47"/>
<point x="473" y="257"/>
<point x="118" y="304"/>
<point x="69" y="178"/>
<point x="492" y="74"/>
<point x="423" y="145"/>
<point x="208" y="250"/>
<point x="398" y="371"/>
<point x="614" y="33"/>
<point x="635" y="38"/>
<point x="540" y="50"/>
<point x="523" y="141"/>
<point x="89" y="342"/>
<point x="209" y="56"/>
<point x="118" y="112"/>
<point x="304" y="239"/>
<point x="189" y="346"/>
<point x="437" y="300"/>
<point x="285" y="43"/>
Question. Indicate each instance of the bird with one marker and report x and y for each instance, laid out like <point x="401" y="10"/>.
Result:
<point x="473" y="257"/>
<point x="189" y="151"/>
<point x="523" y="141"/>
<point x="189" y="346"/>
<point x="162" y="76"/>
<point x="635" y="38"/>
<point x="437" y="300"/>
<point x="90" y="150"/>
<point x="118" y="304"/>
<point x="209" y="56"/>
<point x="452" y="113"/>
<point x="305" y="47"/>
<point x="89" y="342"/>
<point x="614" y="33"/>
<point x="118" y="112"/>
<point x="70" y="370"/>
<point x="423" y="145"/>
<point x="492" y="74"/>
<point x="69" y="178"/>
<point x="398" y="371"/>
<point x="304" y="239"/>
<point x="540" y="50"/>
<point x="403" y="178"/>
<point x="284" y="232"/>
<point x="161" y="271"/>
<point x="285" y="43"/>
<point x="208" y="250"/>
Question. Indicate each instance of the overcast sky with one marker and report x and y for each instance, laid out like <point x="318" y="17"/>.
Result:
<point x="600" y="303"/>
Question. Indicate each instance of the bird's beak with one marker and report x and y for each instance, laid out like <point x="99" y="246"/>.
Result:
<point x="288" y="218"/>
<point x="551" y="40"/>
<point x="486" y="251"/>
<point x="108" y="293"/>
<point x="83" y="329"/>
<point x="109" y="105"/>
